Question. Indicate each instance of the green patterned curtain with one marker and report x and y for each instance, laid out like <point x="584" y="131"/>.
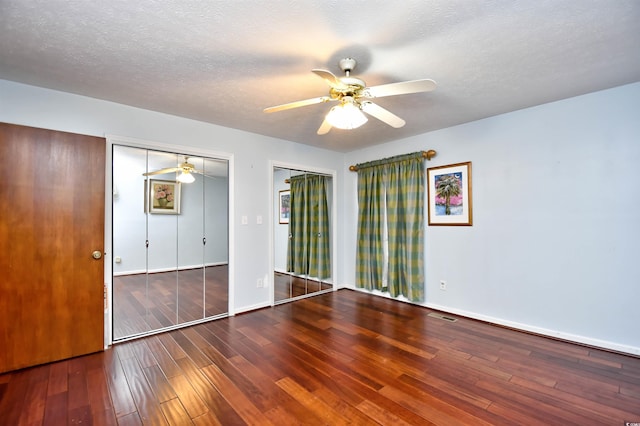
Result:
<point x="296" y="253"/>
<point x="308" y="250"/>
<point x="391" y="192"/>
<point x="369" y="255"/>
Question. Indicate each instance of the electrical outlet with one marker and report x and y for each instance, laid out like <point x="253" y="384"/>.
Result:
<point x="260" y="283"/>
<point x="443" y="285"/>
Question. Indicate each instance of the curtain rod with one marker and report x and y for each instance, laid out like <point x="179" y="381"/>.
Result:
<point x="308" y="174"/>
<point x="425" y="154"/>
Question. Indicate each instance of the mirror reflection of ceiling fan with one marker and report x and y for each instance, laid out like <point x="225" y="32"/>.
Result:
<point x="186" y="170"/>
<point x="353" y="96"/>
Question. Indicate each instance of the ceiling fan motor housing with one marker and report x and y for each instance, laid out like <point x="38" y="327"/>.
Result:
<point x="354" y="86"/>
<point x="187" y="166"/>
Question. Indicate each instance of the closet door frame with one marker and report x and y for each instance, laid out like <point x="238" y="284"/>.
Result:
<point x="273" y="166"/>
<point x="108" y="258"/>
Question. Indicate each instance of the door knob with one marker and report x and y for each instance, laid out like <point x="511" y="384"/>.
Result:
<point x="97" y="254"/>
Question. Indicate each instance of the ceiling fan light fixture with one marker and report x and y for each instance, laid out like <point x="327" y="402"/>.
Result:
<point x="346" y="116"/>
<point x="185" y="177"/>
<point x="353" y="94"/>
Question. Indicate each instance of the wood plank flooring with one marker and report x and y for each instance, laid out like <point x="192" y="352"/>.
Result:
<point x="288" y="286"/>
<point x="146" y="302"/>
<point x="143" y="303"/>
<point x="337" y="358"/>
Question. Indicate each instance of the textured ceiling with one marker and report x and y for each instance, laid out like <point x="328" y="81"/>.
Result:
<point x="223" y="62"/>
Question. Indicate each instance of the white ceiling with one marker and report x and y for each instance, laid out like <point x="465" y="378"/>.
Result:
<point x="223" y="62"/>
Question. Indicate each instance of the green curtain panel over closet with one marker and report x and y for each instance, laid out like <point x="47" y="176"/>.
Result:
<point x="391" y="220"/>
<point x="308" y="248"/>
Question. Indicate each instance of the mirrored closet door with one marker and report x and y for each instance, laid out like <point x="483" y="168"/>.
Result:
<point x="302" y="237"/>
<point x="170" y="240"/>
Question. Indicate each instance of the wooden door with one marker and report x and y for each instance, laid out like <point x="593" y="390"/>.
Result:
<point x="51" y="220"/>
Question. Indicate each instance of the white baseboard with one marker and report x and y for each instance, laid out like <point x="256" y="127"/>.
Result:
<point x="252" y="307"/>
<point x="584" y="340"/>
<point x="155" y="271"/>
<point x="604" y="344"/>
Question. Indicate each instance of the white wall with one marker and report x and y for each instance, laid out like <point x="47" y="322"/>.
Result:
<point x="250" y="171"/>
<point x="556" y="219"/>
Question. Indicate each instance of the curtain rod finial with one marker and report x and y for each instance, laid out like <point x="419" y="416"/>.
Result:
<point x="430" y="154"/>
<point x="353" y="168"/>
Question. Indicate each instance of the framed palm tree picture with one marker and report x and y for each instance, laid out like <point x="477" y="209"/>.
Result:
<point x="284" y="206"/>
<point x="449" y="194"/>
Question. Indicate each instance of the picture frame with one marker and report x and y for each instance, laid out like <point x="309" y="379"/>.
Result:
<point x="284" y="206"/>
<point x="449" y="197"/>
<point x="162" y="196"/>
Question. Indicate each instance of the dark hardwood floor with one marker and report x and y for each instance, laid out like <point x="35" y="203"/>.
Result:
<point x="288" y="286"/>
<point x="337" y="358"/>
<point x="145" y="302"/>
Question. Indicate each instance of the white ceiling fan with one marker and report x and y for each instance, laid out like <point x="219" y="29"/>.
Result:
<point x="353" y="96"/>
<point x="186" y="169"/>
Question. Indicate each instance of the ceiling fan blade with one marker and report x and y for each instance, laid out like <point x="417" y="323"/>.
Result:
<point x="402" y="88"/>
<point x="297" y="104"/>
<point x="200" y="172"/>
<point x="162" y="171"/>
<point x="382" y="114"/>
<point x="331" y="79"/>
<point x="324" y="127"/>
